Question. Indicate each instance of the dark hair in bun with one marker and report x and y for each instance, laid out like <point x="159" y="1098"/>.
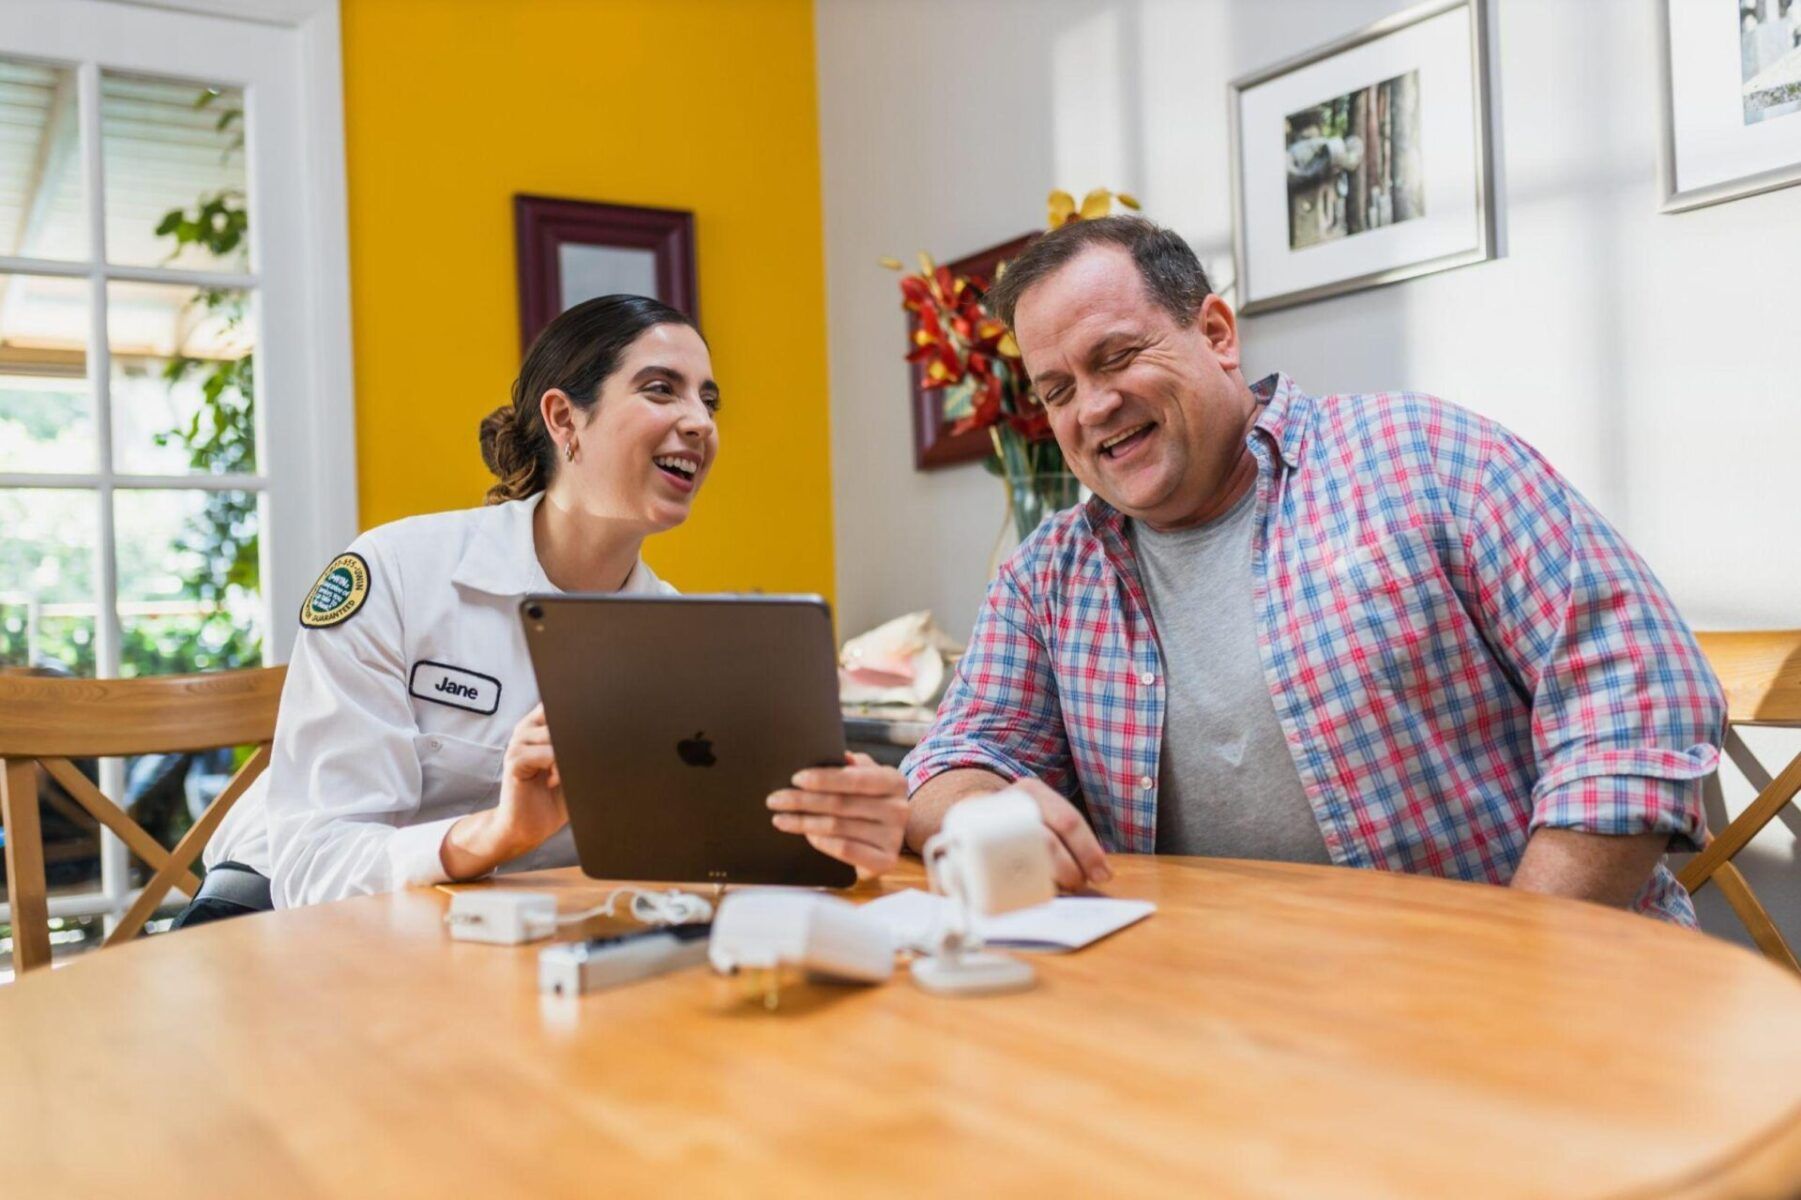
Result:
<point x="575" y="354"/>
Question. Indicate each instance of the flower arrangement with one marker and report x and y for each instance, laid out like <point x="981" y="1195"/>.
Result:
<point x="968" y="355"/>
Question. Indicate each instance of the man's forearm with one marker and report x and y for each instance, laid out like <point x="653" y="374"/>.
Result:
<point x="1605" y="868"/>
<point x="937" y="794"/>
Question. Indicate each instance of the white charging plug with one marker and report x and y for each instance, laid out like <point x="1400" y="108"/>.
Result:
<point x="505" y="917"/>
<point x="763" y="929"/>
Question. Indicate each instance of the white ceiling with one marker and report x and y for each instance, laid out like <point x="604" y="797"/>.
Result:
<point x="160" y="152"/>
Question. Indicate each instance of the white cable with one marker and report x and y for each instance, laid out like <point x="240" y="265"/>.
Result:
<point x="652" y="908"/>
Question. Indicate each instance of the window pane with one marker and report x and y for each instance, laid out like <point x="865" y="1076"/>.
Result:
<point x="182" y="391"/>
<point x="41" y="210"/>
<point x="190" y="596"/>
<point x="48" y="578"/>
<point x="174" y="171"/>
<point x="69" y="936"/>
<point x="46" y="409"/>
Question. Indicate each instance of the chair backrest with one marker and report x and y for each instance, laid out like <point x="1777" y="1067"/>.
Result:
<point x="1760" y="671"/>
<point x="48" y="717"/>
<point x="45" y="722"/>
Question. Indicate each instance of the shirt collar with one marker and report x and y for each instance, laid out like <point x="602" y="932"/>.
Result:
<point x="1283" y="420"/>
<point x="1284" y="416"/>
<point x="501" y="559"/>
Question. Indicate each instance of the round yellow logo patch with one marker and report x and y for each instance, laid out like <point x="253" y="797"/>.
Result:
<point x="340" y="592"/>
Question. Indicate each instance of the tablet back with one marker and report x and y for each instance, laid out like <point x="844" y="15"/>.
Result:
<point x="673" y="717"/>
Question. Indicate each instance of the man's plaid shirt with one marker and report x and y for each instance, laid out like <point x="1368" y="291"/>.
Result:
<point x="1460" y="650"/>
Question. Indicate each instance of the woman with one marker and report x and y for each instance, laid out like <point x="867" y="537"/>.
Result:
<point x="411" y="747"/>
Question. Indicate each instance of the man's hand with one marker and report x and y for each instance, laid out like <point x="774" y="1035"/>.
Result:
<point x="530" y="811"/>
<point x="856" y="813"/>
<point x="1077" y="860"/>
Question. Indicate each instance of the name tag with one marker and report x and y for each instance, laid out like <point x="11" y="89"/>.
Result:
<point x="444" y="684"/>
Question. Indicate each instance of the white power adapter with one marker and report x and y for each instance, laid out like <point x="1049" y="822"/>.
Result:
<point x="766" y="929"/>
<point x="504" y="917"/>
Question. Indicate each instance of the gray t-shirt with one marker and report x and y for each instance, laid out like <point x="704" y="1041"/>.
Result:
<point x="1228" y="785"/>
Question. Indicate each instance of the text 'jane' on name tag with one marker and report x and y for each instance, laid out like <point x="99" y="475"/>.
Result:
<point x="444" y="684"/>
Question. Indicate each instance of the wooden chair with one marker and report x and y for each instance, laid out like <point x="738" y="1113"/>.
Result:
<point x="45" y="722"/>
<point x="1761" y="672"/>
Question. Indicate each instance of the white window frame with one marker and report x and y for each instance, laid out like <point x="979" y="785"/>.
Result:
<point x="294" y="154"/>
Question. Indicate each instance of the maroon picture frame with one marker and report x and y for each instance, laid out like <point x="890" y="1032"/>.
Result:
<point x="541" y="224"/>
<point x="934" y="445"/>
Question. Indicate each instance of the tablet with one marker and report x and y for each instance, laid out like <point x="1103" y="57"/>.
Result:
<point x="674" y="717"/>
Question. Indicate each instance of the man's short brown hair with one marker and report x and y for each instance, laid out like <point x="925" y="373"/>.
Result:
<point x="1171" y="272"/>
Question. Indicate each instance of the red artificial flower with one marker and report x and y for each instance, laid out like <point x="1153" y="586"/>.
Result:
<point x="943" y="367"/>
<point x="915" y="295"/>
<point x="987" y="410"/>
<point x="956" y="340"/>
<point x="1034" y="426"/>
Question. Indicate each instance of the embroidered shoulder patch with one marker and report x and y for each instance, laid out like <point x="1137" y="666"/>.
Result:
<point x="339" y="594"/>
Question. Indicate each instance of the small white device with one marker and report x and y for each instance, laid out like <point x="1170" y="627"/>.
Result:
<point x="504" y="917"/>
<point x="823" y="935"/>
<point x="571" y="968"/>
<point x="990" y="857"/>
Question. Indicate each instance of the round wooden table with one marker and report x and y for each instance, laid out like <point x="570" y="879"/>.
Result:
<point x="1273" y="1030"/>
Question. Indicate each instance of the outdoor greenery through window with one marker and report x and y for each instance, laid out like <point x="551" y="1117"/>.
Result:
<point x="130" y="496"/>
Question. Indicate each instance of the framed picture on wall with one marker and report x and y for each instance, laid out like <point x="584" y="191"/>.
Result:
<point x="1731" y="103"/>
<point x="575" y="250"/>
<point x="935" y="410"/>
<point x="1367" y="160"/>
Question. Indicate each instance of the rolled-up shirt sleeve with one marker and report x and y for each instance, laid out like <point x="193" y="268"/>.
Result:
<point x="344" y="777"/>
<point x="1626" y="713"/>
<point x="1000" y="712"/>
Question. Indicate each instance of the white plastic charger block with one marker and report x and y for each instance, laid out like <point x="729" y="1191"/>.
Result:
<point x="761" y="929"/>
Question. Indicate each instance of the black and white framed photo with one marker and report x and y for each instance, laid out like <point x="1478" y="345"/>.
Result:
<point x="1365" y="161"/>
<point x="1731" y="99"/>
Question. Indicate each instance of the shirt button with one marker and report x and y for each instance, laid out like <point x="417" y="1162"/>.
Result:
<point x="1146" y="782"/>
<point x="1148" y="678"/>
<point x="434" y="743"/>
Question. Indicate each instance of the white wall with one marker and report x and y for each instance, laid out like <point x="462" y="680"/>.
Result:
<point x="1652" y="358"/>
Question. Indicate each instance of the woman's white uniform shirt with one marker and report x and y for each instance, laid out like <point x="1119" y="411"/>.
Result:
<point x="395" y="718"/>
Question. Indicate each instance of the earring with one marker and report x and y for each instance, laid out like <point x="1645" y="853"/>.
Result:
<point x="569" y="450"/>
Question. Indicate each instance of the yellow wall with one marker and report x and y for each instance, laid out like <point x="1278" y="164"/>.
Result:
<point x="452" y="106"/>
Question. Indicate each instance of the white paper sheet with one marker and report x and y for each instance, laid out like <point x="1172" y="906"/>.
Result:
<point x="1066" y="923"/>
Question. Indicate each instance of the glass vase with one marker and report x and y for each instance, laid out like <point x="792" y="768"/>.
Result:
<point x="1032" y="498"/>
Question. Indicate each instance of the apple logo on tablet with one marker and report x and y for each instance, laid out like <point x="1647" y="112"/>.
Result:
<point x="696" y="751"/>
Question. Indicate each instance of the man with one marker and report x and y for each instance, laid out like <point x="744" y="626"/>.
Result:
<point x="1376" y="631"/>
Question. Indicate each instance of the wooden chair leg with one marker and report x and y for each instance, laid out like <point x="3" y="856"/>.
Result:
<point x="25" y="864"/>
<point x="1744" y="827"/>
<point x="187" y="850"/>
<point x="1757" y="776"/>
<point x="1757" y="921"/>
